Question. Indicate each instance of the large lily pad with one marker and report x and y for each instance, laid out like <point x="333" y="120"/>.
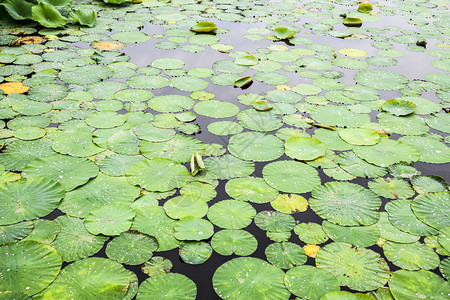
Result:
<point x="346" y="204"/>
<point x="28" y="267"/>
<point x="255" y="146"/>
<point x="27" y="200"/>
<point x="304" y="148"/>
<point x="110" y="219"/>
<point x="249" y="278"/>
<point x="358" y="268"/>
<point x="291" y="176"/>
<point x="69" y="171"/>
<point x="157" y="174"/>
<point x="93" y="276"/>
<point x="413" y="256"/>
<point x="418" y="285"/>
<point x="310" y="282"/>
<point x="381" y="79"/>
<point x="179" y="148"/>
<point x="364" y="236"/>
<point x="433" y="209"/>
<point x="171" y="286"/>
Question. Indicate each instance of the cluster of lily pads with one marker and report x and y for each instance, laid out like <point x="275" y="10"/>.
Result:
<point x="162" y="129"/>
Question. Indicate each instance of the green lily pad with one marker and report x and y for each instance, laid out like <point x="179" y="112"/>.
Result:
<point x="310" y="282"/>
<point x="104" y="278"/>
<point x="30" y="199"/>
<point x="78" y="144"/>
<point x="381" y="79"/>
<point x="69" y="171"/>
<point x="439" y="121"/>
<point x="274" y="221"/>
<point x="432" y="209"/>
<point x="192" y="228"/>
<point x="284" y="33"/>
<point x="171" y="285"/>
<point x="418" y="285"/>
<point x="74" y="241"/>
<point x="363" y="236"/>
<point x="179" y="148"/>
<point x="387" y="152"/>
<point x="291" y="176"/>
<point x="16" y="232"/>
<point x="195" y="253"/>
<point x="100" y="191"/>
<point x="112" y="219"/>
<point x="255" y="146"/>
<point x="310" y="233"/>
<point x="249" y="278"/>
<point x="243" y="82"/>
<point x="171" y="103"/>
<point x="157" y="174"/>
<point x="259" y="120"/>
<point x="359" y="136"/>
<point x="231" y="214"/>
<point x="118" y="164"/>
<point x="157" y="265"/>
<point x="337" y="202"/>
<point x="399" y="107"/>
<point x="339" y="295"/>
<point x="444" y="237"/>
<point x="285" y="255"/>
<point x="250" y="189"/>
<point x="338" y="116"/>
<point x="188" y="83"/>
<point x="216" y="109"/>
<point x="129" y="37"/>
<point x="35" y="266"/>
<point x="131" y="248"/>
<point x="358" y="268"/>
<point x="204" y="26"/>
<point x="152" y="220"/>
<point x="185" y="206"/>
<point x="391" y="233"/>
<point x="44" y="231"/>
<point x="391" y="188"/>
<point x="352" y="22"/>
<point x="227" y="242"/>
<point x="403" y="218"/>
<point x="430" y="149"/>
<point x="48" y="16"/>
<point x="413" y="256"/>
<point x="304" y="148"/>
<point x="228" y="166"/>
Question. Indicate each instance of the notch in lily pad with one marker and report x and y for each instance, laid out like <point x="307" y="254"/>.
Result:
<point x="243" y="82"/>
<point x="365" y="8"/>
<point x="204" y="26"/>
<point x="284" y="33"/>
<point x="197" y="164"/>
<point x="352" y="22"/>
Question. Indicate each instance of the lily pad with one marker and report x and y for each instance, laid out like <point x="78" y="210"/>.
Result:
<point x="418" y="285"/>
<point x="391" y="188"/>
<point x="231" y="214"/>
<point x="255" y="146"/>
<point x="413" y="256"/>
<point x="346" y="204"/>
<point x="179" y="148"/>
<point x="289" y="204"/>
<point x="359" y="136"/>
<point x="249" y="278"/>
<point x="110" y="219"/>
<point x="204" y="26"/>
<point x="310" y="233"/>
<point x="173" y="285"/>
<point x="15" y="232"/>
<point x="310" y="282"/>
<point x="358" y="268"/>
<point x="69" y="171"/>
<point x="285" y="255"/>
<point x="227" y="242"/>
<point x="432" y="209"/>
<point x="185" y="206"/>
<point x="131" y="248"/>
<point x="304" y="148"/>
<point x="228" y="166"/>
<point x="274" y="221"/>
<point x="363" y="236"/>
<point x="381" y="79"/>
<point x="104" y="278"/>
<point x="157" y="174"/>
<point x="195" y="253"/>
<point x="192" y="228"/>
<point x="399" y="107"/>
<point x="30" y="199"/>
<point x="35" y="266"/>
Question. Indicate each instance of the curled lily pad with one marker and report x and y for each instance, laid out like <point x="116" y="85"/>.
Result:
<point x="399" y="107"/>
<point x="352" y="22"/>
<point x="284" y="33"/>
<point x="249" y="278"/>
<point x="34" y="265"/>
<point x="204" y="26"/>
<point x="243" y="82"/>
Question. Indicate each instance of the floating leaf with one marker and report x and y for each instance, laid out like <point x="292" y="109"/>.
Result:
<point x="36" y="265"/>
<point x="418" y="285"/>
<point x="364" y="236"/>
<point x="131" y="248"/>
<point x="110" y="219"/>
<point x="399" y="107"/>
<point x="304" y="148"/>
<point x="195" y="253"/>
<point x="249" y="278"/>
<point x="255" y="146"/>
<point x="352" y="22"/>
<point x="13" y="88"/>
<point x="413" y="256"/>
<point x="359" y="136"/>
<point x="243" y="82"/>
<point x="284" y="33"/>
<point x="204" y="26"/>
<point x="285" y="255"/>
<point x="240" y="242"/>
